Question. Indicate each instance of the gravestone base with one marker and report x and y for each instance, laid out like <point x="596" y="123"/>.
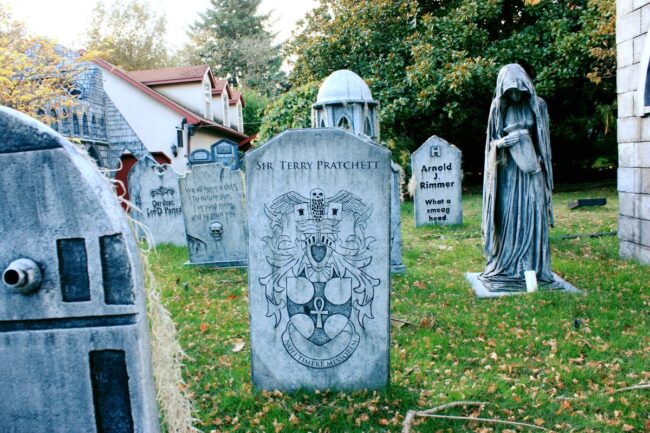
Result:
<point x="482" y="292"/>
<point x="218" y="265"/>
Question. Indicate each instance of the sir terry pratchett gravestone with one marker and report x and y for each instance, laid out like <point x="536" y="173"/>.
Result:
<point x="436" y="166"/>
<point x="318" y="219"/>
<point x="74" y="345"/>
<point x="153" y="189"/>
<point x="212" y="196"/>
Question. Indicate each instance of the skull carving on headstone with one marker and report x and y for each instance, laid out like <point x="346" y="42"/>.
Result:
<point x="217" y="231"/>
<point x="317" y="204"/>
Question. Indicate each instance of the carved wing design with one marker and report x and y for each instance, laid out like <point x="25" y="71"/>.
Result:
<point x="285" y="203"/>
<point x="350" y="202"/>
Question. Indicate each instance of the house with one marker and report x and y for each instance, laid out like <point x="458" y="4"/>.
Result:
<point x="633" y="89"/>
<point x="173" y="110"/>
<point x="120" y="117"/>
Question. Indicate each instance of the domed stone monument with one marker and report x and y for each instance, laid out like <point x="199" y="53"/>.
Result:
<point x="344" y="100"/>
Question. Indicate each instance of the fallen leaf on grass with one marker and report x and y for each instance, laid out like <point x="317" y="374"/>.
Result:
<point x="203" y="327"/>
<point x="399" y="323"/>
<point x="239" y="345"/>
<point x="427" y="321"/>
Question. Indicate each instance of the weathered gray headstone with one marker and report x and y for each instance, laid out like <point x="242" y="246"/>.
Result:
<point x="319" y="237"/>
<point x="212" y="196"/>
<point x="396" y="265"/>
<point x="153" y="189"/>
<point x="74" y="345"/>
<point x="436" y="166"/>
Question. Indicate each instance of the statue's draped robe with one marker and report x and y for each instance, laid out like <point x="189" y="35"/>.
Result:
<point x="517" y="208"/>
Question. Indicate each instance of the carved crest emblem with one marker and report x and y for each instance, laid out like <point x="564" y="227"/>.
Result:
<point x="318" y="253"/>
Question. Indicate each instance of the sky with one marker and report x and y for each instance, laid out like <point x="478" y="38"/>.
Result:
<point x="65" y="20"/>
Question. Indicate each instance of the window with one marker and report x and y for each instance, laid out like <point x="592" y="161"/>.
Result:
<point x="367" y="127"/>
<point x="642" y="94"/>
<point x="344" y="123"/>
<point x="102" y="125"/>
<point x="93" y="124"/>
<point x="84" y="125"/>
<point x="55" y="120"/>
<point x="75" y="124"/>
<point x="65" y="123"/>
<point x="208" y="100"/>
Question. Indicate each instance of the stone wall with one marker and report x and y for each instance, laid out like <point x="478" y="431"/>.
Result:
<point x="633" y="56"/>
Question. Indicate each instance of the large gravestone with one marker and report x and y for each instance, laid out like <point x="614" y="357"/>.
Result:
<point x="319" y="221"/>
<point x="74" y="345"/>
<point x="436" y="166"/>
<point x="212" y="196"/>
<point x="153" y="189"/>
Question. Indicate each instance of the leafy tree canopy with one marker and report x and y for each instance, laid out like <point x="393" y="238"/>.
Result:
<point x="433" y="66"/>
<point x="253" y="110"/>
<point x="35" y="74"/>
<point x="232" y="38"/>
<point x="291" y="110"/>
<point x="130" y="34"/>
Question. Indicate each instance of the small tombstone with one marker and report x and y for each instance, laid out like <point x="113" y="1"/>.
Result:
<point x="436" y="166"/>
<point x="153" y="189"/>
<point x="215" y="219"/>
<point x="224" y="152"/>
<point x="319" y="265"/>
<point x="396" y="265"/>
<point x="585" y="202"/>
<point x="74" y="344"/>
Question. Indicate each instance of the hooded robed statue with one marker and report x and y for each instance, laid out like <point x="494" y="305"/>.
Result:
<point x="517" y="185"/>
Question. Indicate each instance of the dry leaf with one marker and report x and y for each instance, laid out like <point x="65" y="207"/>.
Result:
<point x="203" y="327"/>
<point x="239" y="345"/>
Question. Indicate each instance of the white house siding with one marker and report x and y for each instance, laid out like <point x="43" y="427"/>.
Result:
<point x="234" y="117"/>
<point x="189" y="95"/>
<point x="218" y="108"/>
<point x="152" y="122"/>
<point x="204" y="139"/>
<point x="633" y="57"/>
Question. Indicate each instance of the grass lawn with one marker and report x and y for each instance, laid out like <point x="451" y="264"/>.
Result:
<point x="521" y="354"/>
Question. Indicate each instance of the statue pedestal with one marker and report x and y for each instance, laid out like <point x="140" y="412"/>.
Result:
<point x="482" y="292"/>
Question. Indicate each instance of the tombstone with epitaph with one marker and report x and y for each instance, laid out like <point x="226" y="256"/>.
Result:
<point x="212" y="196"/>
<point x="153" y="189"/>
<point x="74" y="345"/>
<point x="319" y="264"/>
<point x="436" y="166"/>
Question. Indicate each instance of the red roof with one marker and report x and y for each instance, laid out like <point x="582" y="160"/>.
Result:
<point x="183" y="74"/>
<point x="192" y="118"/>
<point x="246" y="144"/>
<point x="219" y="87"/>
<point x="236" y="95"/>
